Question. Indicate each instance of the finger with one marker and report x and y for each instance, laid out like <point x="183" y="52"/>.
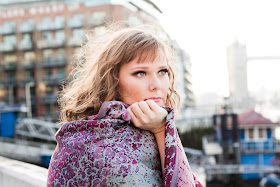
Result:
<point x="133" y="117"/>
<point x="143" y="105"/>
<point x="153" y="106"/>
<point x="137" y="111"/>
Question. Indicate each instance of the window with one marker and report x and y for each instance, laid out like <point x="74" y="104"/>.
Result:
<point x="9" y="24"/>
<point x="49" y="89"/>
<point x="10" y="39"/>
<point x="261" y="133"/>
<point x="28" y="75"/>
<point x="28" y="22"/>
<point x="10" y="77"/>
<point x="8" y="27"/>
<point x="61" y="74"/>
<point x="45" y="24"/>
<point x="60" y="35"/>
<point x="78" y="33"/>
<point x="59" y="22"/>
<point x="48" y="75"/>
<point x="98" y="17"/>
<point x="78" y="17"/>
<point x="47" y="35"/>
<point x="47" y="21"/>
<point x="48" y="56"/>
<point x="60" y="56"/>
<point x="26" y="37"/>
<point x="76" y="20"/>
<point x="99" y="30"/>
<point x="60" y="53"/>
<point x="26" y="26"/>
<point x="47" y="53"/>
<point x="251" y="133"/>
<point x="29" y="56"/>
<point x="10" y="59"/>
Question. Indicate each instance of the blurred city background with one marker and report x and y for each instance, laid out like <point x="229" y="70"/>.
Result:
<point x="227" y="71"/>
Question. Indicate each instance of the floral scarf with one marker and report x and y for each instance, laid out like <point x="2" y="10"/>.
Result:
<point x="108" y="150"/>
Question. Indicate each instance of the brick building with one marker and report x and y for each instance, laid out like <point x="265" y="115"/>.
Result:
<point x="38" y="39"/>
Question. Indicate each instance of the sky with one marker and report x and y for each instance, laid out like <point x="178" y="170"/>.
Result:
<point x="204" y="29"/>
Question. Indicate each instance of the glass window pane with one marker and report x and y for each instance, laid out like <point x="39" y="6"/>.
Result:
<point x="60" y="35"/>
<point x="10" y="39"/>
<point x="261" y="133"/>
<point x="251" y="133"/>
<point x="47" y="35"/>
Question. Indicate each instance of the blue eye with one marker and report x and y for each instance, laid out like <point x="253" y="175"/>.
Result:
<point x="139" y="74"/>
<point x="163" y="72"/>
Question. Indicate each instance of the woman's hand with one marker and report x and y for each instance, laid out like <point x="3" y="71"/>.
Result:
<point x="148" y="115"/>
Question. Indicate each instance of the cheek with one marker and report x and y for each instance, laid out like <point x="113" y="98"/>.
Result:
<point x="166" y="86"/>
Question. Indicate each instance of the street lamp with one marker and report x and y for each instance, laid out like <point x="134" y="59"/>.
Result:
<point x="28" y="98"/>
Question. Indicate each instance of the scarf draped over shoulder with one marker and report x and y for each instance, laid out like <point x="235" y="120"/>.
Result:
<point x="108" y="150"/>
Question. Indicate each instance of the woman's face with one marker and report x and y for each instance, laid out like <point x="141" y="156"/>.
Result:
<point x="146" y="80"/>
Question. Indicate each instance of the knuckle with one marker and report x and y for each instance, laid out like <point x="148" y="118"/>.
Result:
<point x="145" y="120"/>
<point x="142" y="102"/>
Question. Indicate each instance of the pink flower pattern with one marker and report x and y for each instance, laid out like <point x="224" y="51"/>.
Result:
<point x="108" y="150"/>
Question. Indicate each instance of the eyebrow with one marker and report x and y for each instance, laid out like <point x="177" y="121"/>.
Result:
<point x="147" y="67"/>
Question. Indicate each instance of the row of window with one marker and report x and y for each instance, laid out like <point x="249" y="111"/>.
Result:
<point x="30" y="56"/>
<point x="49" y="23"/>
<point x="49" y="75"/>
<point x="46" y="35"/>
<point x="256" y="133"/>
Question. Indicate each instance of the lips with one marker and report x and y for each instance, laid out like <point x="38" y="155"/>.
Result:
<point x="156" y="99"/>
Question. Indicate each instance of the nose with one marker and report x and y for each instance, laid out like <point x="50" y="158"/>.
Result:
<point x="154" y="83"/>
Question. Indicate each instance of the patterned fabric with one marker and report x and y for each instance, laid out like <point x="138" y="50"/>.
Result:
<point x="107" y="150"/>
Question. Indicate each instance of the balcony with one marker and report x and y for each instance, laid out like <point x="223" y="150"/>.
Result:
<point x="43" y="26"/>
<point x="52" y="80"/>
<point x="75" y="42"/>
<point x="75" y="23"/>
<point x="27" y="65"/>
<point x="265" y="146"/>
<point x="10" y="66"/>
<point x="54" y="43"/>
<point x="7" y="47"/>
<point x="49" y="98"/>
<point x="58" y="25"/>
<point x="25" y="45"/>
<point x="8" y="83"/>
<point x="22" y="100"/>
<point x="26" y="27"/>
<point x="7" y="29"/>
<point x="49" y="62"/>
<point x="96" y="22"/>
<point x="25" y="81"/>
<point x="50" y="25"/>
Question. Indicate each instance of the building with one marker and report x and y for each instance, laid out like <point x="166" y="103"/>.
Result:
<point x="243" y="144"/>
<point x="258" y="142"/>
<point x="237" y="72"/>
<point x="184" y="76"/>
<point x="38" y="39"/>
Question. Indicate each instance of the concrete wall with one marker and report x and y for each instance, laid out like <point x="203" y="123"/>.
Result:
<point x="25" y="151"/>
<point x="14" y="173"/>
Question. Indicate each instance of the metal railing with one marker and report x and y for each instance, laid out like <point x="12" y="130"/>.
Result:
<point x="239" y="169"/>
<point x="269" y="145"/>
<point x="35" y="128"/>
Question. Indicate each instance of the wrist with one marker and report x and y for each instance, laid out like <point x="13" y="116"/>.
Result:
<point x="159" y="130"/>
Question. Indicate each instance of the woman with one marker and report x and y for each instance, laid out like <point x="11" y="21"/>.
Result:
<point x="118" y="122"/>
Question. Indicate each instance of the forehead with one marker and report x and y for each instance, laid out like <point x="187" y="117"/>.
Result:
<point x="151" y="57"/>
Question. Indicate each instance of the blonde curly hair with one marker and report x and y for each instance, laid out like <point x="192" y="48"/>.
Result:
<point x="95" y="79"/>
